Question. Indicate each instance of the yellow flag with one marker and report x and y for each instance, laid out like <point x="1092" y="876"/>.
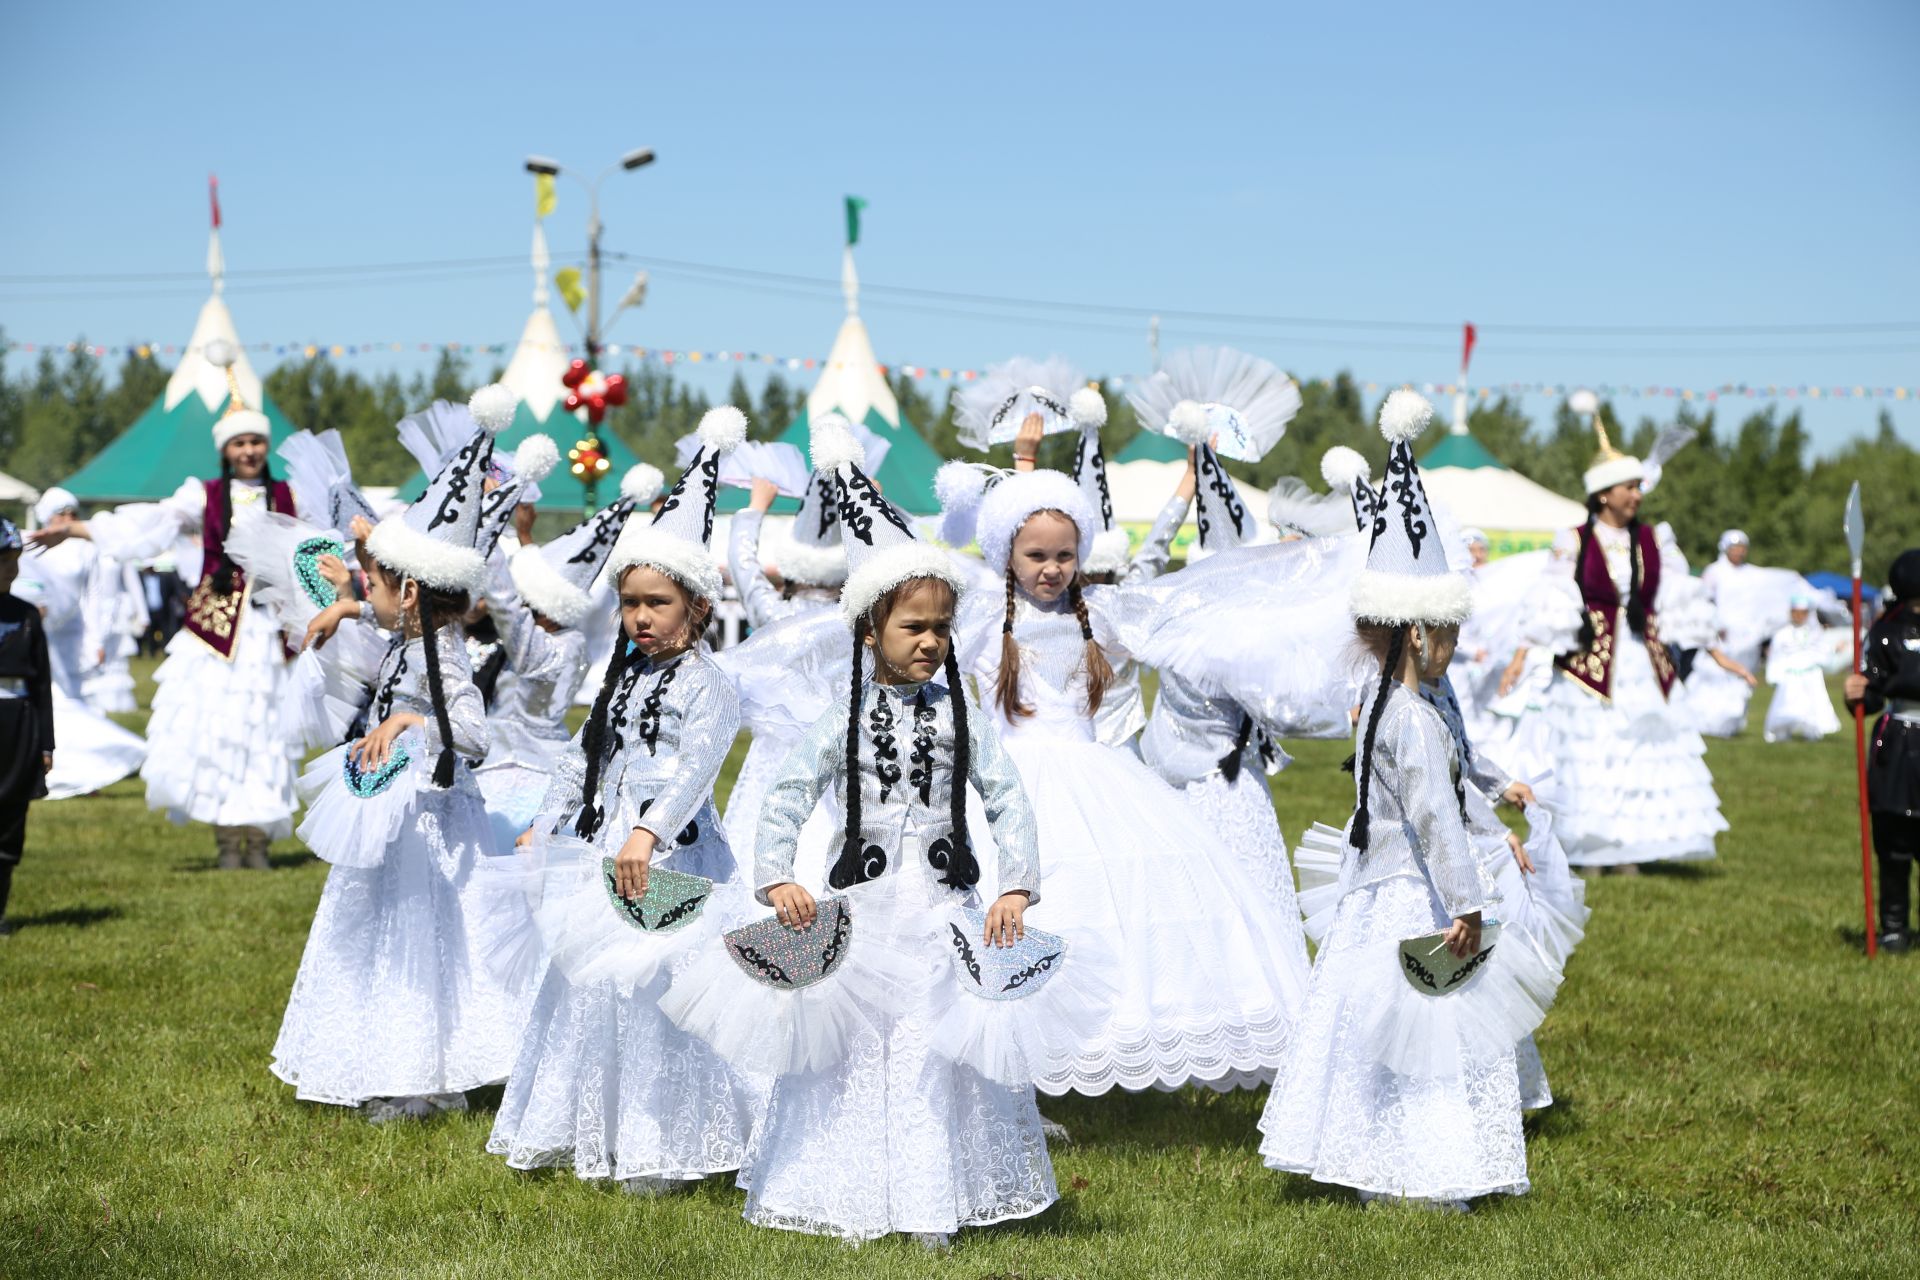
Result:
<point x="544" y="195"/>
<point x="567" y="281"/>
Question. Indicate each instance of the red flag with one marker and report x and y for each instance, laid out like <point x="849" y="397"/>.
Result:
<point x="213" y="194"/>
<point x="1468" y="337"/>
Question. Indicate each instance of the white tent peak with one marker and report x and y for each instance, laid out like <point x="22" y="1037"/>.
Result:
<point x="533" y="374"/>
<point x="851" y="381"/>
<point x="195" y="373"/>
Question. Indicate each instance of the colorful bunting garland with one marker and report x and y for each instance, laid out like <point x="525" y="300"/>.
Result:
<point x="666" y="356"/>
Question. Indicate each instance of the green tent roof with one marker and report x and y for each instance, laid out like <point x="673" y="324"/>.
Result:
<point x="906" y="477"/>
<point x="1461" y="451"/>
<point x="149" y="460"/>
<point x="1151" y="446"/>
<point x="560" y="491"/>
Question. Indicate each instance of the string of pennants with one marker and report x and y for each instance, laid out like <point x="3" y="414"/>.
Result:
<point x="668" y="357"/>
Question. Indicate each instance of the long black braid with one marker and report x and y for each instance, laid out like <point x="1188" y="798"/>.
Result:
<point x="858" y="861"/>
<point x="593" y="741"/>
<point x="962" y="868"/>
<point x="223" y="573"/>
<point x="1389" y="672"/>
<point x="430" y="643"/>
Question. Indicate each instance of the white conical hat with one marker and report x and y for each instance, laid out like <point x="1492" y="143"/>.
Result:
<point x="556" y="577"/>
<point x="240" y="419"/>
<point x="1110" y="545"/>
<point x="532" y="462"/>
<point x="1344" y="468"/>
<point x="435" y="540"/>
<point x="881" y="550"/>
<point x="1222" y="518"/>
<point x="1406" y="579"/>
<point x="811" y="553"/>
<point x="677" y="540"/>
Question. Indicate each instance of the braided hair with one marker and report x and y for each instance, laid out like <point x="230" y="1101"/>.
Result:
<point x="859" y="861"/>
<point x="435" y="608"/>
<point x="223" y="573"/>
<point x="1006" y="689"/>
<point x="1389" y="671"/>
<point x="593" y="739"/>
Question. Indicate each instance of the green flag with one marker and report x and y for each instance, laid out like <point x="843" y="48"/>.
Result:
<point x="854" y="205"/>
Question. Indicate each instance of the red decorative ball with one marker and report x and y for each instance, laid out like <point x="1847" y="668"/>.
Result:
<point x="573" y="401"/>
<point x="576" y="373"/>
<point x="597" y="411"/>
<point x="616" y="389"/>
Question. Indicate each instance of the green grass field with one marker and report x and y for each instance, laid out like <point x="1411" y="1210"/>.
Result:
<point x="1736" y="1096"/>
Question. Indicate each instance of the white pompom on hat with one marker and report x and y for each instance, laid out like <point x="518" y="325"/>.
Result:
<point x="240" y="419"/>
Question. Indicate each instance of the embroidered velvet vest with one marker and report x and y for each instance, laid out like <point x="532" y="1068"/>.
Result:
<point x="1600" y="598"/>
<point x="212" y="617"/>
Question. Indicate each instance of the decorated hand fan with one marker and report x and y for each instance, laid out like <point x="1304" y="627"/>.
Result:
<point x="368" y="783"/>
<point x="673" y="900"/>
<point x="791" y="959"/>
<point x="1433" y="970"/>
<point x="306" y="567"/>
<point x="1001" y="973"/>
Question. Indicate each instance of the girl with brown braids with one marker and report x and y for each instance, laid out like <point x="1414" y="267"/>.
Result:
<point x="1206" y="994"/>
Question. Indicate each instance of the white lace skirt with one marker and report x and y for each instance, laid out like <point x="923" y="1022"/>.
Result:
<point x="1801" y="708"/>
<point x="1338" y="1116"/>
<point x="1241" y="814"/>
<point x="220" y="755"/>
<point x="393" y="998"/>
<point x="1211" y="971"/>
<point x="1632" y="773"/>
<point x="91" y="751"/>
<point x="605" y="1083"/>
<point x="896" y="1138"/>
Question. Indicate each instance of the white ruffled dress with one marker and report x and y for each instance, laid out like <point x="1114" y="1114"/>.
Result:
<point x="527" y="724"/>
<point x="1386" y="1090"/>
<point x="1210" y="967"/>
<point x="1798" y="659"/>
<point x="226" y="759"/>
<point x="392" y="998"/>
<point x="1631" y="770"/>
<point x="602" y="1081"/>
<point x="896" y="1136"/>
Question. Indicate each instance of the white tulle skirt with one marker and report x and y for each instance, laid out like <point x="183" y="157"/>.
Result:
<point x="393" y="998"/>
<point x="1632" y="772"/>
<point x="1210" y="970"/>
<point x="221" y="756"/>
<point x="512" y="793"/>
<point x="1716" y="700"/>
<point x="91" y="751"/>
<point x="1340" y="1116"/>
<point x="1801" y="708"/>
<point x="109" y="686"/>
<point x="895" y="1135"/>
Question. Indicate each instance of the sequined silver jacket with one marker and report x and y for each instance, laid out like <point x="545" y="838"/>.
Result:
<point x="1191" y="735"/>
<point x="400" y="685"/>
<point x="906" y="780"/>
<point x="669" y="729"/>
<point x="1415" y="827"/>
<point x="544" y="673"/>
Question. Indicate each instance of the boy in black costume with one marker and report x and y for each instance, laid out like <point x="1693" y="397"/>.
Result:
<point x="26" y="713"/>
<point x="1890" y="685"/>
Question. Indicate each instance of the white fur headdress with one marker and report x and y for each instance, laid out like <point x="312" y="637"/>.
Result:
<point x="881" y="550"/>
<point x="555" y="578"/>
<point x="1012" y="502"/>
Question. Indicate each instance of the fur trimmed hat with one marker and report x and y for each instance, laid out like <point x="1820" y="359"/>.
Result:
<point x="555" y="579"/>
<point x="677" y="540"/>
<point x="881" y="550"/>
<point x="434" y="541"/>
<point x="1406" y="578"/>
<point x="1011" y="503"/>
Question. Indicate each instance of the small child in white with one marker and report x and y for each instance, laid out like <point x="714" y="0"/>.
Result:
<point x="1798" y="659"/>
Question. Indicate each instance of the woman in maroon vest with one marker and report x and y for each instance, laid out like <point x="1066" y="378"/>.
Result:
<point x="217" y="752"/>
<point x="1631" y="769"/>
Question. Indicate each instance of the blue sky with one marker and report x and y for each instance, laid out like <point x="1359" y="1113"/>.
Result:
<point x="1634" y="165"/>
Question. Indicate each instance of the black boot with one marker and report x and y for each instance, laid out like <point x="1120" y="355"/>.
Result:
<point x="1896" y="928"/>
<point x="6" y="889"/>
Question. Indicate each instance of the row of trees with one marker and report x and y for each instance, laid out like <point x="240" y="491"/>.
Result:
<point x="1754" y="474"/>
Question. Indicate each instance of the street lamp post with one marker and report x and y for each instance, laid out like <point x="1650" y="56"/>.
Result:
<point x="589" y="455"/>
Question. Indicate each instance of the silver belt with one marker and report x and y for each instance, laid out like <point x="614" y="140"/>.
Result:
<point x="1904" y="709"/>
<point x="13" y="686"/>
